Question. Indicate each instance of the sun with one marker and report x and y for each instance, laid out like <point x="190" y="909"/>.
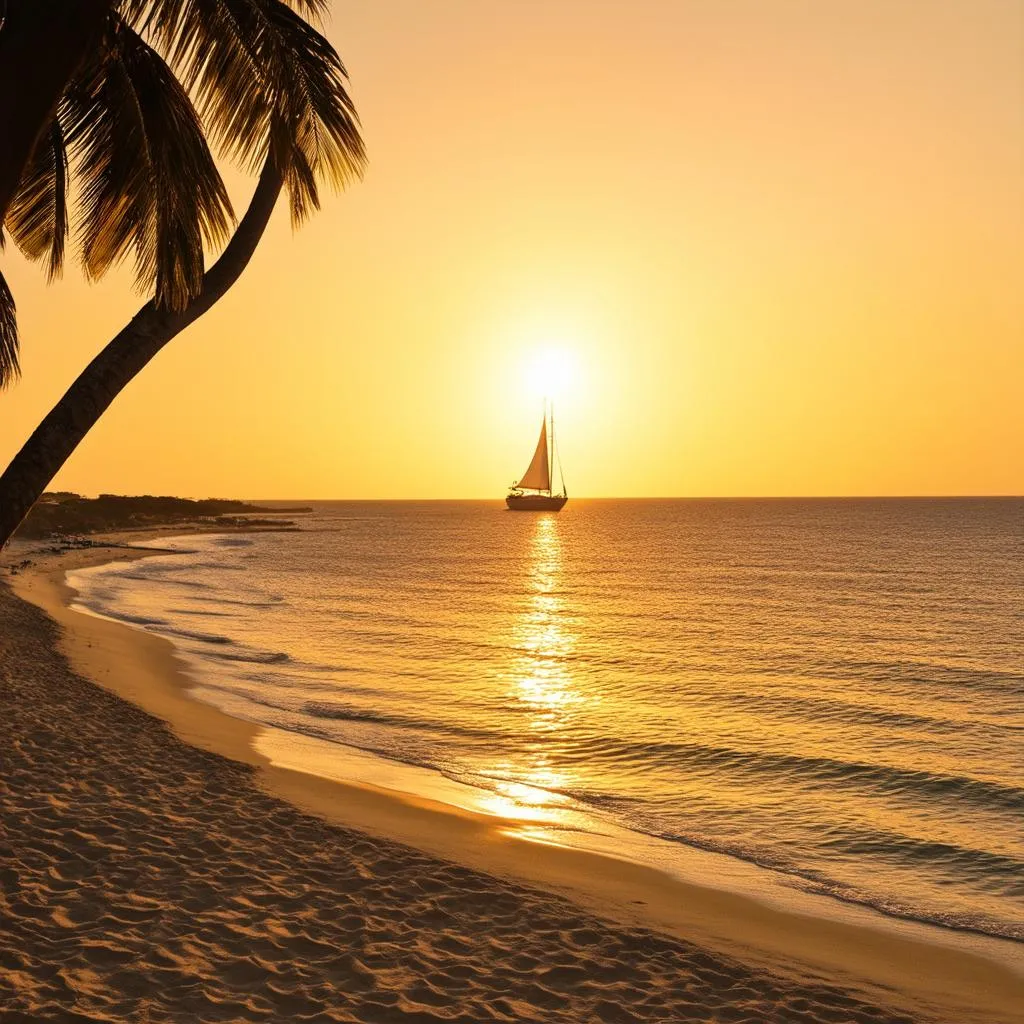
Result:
<point x="551" y="373"/>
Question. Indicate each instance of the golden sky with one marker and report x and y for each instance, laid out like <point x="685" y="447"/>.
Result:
<point x="778" y="244"/>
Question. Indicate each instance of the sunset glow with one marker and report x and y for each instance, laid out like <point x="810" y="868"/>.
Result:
<point x="750" y="248"/>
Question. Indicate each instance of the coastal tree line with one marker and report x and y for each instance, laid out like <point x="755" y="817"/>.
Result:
<point x="110" y="114"/>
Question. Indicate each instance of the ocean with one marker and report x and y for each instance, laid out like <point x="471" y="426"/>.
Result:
<point x="831" y="690"/>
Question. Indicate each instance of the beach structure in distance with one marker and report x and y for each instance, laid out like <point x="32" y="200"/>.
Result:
<point x="533" y="492"/>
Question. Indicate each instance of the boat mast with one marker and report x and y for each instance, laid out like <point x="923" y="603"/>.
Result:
<point x="551" y="459"/>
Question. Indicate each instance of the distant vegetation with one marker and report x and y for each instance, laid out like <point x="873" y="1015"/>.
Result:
<point x="62" y="513"/>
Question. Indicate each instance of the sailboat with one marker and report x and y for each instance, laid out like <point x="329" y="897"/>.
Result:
<point x="533" y="491"/>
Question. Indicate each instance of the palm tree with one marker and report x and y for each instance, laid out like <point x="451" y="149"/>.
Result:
<point x="296" y="119"/>
<point x="146" y="178"/>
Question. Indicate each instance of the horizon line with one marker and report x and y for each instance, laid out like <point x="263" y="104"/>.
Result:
<point x="612" y="497"/>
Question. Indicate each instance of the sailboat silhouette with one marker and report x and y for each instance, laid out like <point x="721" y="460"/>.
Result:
<point x="532" y="492"/>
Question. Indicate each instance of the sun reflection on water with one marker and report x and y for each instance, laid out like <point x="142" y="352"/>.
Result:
<point x="541" y="682"/>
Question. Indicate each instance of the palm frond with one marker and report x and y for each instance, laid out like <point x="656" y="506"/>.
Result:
<point x="267" y="82"/>
<point x="148" y="182"/>
<point x="212" y="46"/>
<point x="312" y="10"/>
<point x="165" y="16"/>
<point x="38" y="215"/>
<point x="10" y="370"/>
<point x="313" y="111"/>
<point x="313" y="130"/>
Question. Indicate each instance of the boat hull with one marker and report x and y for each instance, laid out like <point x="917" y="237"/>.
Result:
<point x="535" y="502"/>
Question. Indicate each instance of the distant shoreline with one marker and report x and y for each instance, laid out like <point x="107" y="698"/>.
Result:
<point x="63" y="514"/>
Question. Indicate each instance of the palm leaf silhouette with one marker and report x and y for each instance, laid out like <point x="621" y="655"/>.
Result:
<point x="269" y="87"/>
<point x="38" y="217"/>
<point x="147" y="179"/>
<point x="9" y="367"/>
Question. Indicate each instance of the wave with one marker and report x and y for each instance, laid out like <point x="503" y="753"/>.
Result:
<point x="202" y="614"/>
<point x="203" y="638"/>
<point x="253" y="657"/>
<point x="820" y="709"/>
<point x="108" y="611"/>
<point x="163" y="581"/>
<point x="269" y="601"/>
<point x="953" y="859"/>
<point x="346" y="713"/>
<point x="951" y="678"/>
<point x="800" y="769"/>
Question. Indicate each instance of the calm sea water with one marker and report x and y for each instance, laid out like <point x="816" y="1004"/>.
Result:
<point x="833" y="690"/>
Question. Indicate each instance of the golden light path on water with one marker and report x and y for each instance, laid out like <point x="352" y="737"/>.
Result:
<point x="541" y="682"/>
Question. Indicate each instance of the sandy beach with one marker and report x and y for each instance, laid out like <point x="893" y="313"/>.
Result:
<point x="156" y="867"/>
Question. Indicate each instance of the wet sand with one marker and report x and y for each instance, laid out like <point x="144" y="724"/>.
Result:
<point x="155" y="871"/>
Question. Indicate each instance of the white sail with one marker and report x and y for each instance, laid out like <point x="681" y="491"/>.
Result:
<point x="538" y="476"/>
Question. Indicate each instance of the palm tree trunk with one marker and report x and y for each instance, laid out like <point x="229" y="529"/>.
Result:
<point x="102" y="380"/>
<point x="42" y="42"/>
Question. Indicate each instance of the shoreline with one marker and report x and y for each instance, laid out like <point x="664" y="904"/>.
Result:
<point x="882" y="956"/>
